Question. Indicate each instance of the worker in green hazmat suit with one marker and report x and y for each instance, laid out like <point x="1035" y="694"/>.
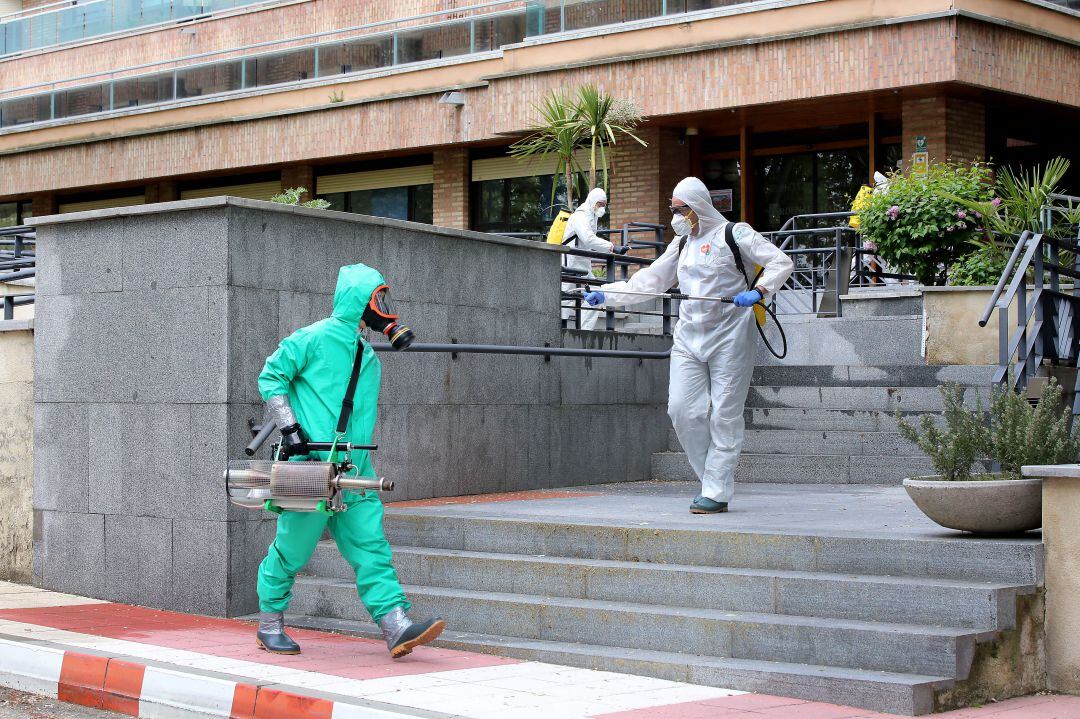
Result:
<point x="304" y="384"/>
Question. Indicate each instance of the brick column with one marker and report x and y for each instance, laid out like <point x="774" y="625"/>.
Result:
<point x="163" y="191"/>
<point x="44" y="204"/>
<point x="299" y="176"/>
<point x="955" y="129"/>
<point x="642" y="178"/>
<point x="450" y="196"/>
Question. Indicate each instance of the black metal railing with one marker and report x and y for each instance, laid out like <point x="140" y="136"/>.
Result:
<point x="1047" y="317"/>
<point x="17" y="262"/>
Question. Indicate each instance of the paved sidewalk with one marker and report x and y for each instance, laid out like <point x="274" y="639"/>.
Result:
<point x="150" y="663"/>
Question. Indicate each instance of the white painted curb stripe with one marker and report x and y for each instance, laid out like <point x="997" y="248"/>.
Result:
<point x="30" y="668"/>
<point x="168" y="694"/>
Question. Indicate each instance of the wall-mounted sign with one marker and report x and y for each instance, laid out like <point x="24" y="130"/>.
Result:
<point x="722" y="199"/>
<point x="920" y="143"/>
<point x="919" y="162"/>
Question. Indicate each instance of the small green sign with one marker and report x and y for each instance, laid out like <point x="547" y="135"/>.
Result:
<point x="920" y="143"/>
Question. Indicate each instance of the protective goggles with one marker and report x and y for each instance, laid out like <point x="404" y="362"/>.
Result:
<point x="680" y="210"/>
<point x="381" y="304"/>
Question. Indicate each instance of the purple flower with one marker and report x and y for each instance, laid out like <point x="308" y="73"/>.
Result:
<point x="870" y="246"/>
<point x="961" y="214"/>
<point x="996" y="201"/>
<point x="978" y="216"/>
<point x="893" y="212"/>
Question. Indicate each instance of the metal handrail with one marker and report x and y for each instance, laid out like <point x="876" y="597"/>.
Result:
<point x="1043" y="329"/>
<point x="454" y="349"/>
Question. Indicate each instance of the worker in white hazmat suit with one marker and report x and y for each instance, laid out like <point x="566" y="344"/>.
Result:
<point x="712" y="359"/>
<point x="580" y="233"/>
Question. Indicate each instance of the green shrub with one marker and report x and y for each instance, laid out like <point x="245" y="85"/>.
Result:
<point x="917" y="229"/>
<point x="1013" y="433"/>
<point x="954" y="449"/>
<point x="1020" y="434"/>
<point x="292" y="197"/>
<point x="984" y="266"/>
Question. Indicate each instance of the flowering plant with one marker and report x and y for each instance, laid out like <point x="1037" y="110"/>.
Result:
<point x="920" y="231"/>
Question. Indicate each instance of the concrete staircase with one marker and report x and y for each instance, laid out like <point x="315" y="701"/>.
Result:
<point x="870" y="606"/>
<point x="888" y="624"/>
<point x="834" y="424"/>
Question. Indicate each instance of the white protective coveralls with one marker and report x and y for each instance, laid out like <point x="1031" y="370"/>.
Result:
<point x="582" y="226"/>
<point x="712" y="359"/>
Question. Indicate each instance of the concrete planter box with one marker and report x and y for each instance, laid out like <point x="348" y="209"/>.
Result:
<point x="1000" y="506"/>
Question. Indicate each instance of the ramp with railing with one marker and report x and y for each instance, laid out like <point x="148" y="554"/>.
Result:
<point x="1046" y="332"/>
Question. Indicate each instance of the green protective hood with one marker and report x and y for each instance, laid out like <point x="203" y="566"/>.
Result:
<point x="355" y="285"/>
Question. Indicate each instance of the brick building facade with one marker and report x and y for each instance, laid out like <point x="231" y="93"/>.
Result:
<point x="736" y="92"/>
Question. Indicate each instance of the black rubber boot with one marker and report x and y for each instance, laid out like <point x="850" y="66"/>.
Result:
<point x="403" y="635"/>
<point x="704" y="505"/>
<point x="417" y="634"/>
<point x="271" y="635"/>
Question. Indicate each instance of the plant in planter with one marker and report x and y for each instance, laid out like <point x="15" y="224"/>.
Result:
<point x="1013" y="433"/>
<point x="1019" y="198"/>
<point x="917" y="228"/>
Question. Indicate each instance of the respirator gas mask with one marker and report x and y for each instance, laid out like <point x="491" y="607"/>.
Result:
<point x="381" y="316"/>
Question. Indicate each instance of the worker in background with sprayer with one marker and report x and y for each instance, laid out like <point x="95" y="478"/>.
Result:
<point x="306" y="384"/>
<point x="580" y="233"/>
<point x="712" y="359"/>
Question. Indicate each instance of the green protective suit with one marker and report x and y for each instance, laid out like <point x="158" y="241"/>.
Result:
<point x="312" y="366"/>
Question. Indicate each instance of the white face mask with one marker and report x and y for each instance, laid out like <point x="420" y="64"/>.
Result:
<point x="681" y="225"/>
<point x="601" y="211"/>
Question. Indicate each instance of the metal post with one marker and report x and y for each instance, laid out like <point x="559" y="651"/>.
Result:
<point x="9" y="307"/>
<point x="666" y="309"/>
<point x="1021" y="322"/>
<point x="315" y="71"/>
<point x="610" y="276"/>
<point x="1038" y="285"/>
<point x="394" y="52"/>
<point x="839" y="271"/>
<point x="562" y="15"/>
<point x="472" y="36"/>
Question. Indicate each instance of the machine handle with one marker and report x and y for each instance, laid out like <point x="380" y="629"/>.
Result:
<point x="265" y="431"/>
<point x="378" y="484"/>
<point x="344" y="446"/>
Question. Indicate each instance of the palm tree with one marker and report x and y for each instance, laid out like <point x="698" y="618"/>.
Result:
<point x="600" y="119"/>
<point x="592" y="119"/>
<point x="557" y="133"/>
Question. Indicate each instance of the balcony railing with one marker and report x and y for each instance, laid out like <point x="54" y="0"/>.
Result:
<point x="434" y="36"/>
<point x="423" y="38"/>
<point x="74" y="20"/>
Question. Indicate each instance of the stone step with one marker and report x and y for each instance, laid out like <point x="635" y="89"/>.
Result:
<point x="907" y="694"/>
<point x="854" y="444"/>
<point x="906" y="648"/>
<point x="866" y="341"/>
<point x="889" y="399"/>
<point x="965" y="559"/>
<point x="860" y="303"/>
<point x="828" y="420"/>
<point x="907" y="600"/>
<point x="803" y="469"/>
<point x="914" y="375"/>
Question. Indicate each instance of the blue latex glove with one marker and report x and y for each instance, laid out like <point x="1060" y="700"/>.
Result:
<point x="748" y="298"/>
<point x="594" y="298"/>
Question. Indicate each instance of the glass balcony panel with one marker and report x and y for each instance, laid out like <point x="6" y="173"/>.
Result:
<point x="692" y="5"/>
<point x="493" y="33"/>
<point x="281" y="67"/>
<point x="434" y="43"/>
<point x="208" y="79"/>
<point x="356" y="55"/>
<point x="23" y="110"/>
<point x="146" y="90"/>
<point x="154" y="11"/>
<point x="82" y="100"/>
<point x="584" y="14"/>
<point x="38" y="30"/>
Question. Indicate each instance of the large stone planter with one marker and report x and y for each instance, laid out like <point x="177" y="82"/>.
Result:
<point x="1001" y="506"/>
